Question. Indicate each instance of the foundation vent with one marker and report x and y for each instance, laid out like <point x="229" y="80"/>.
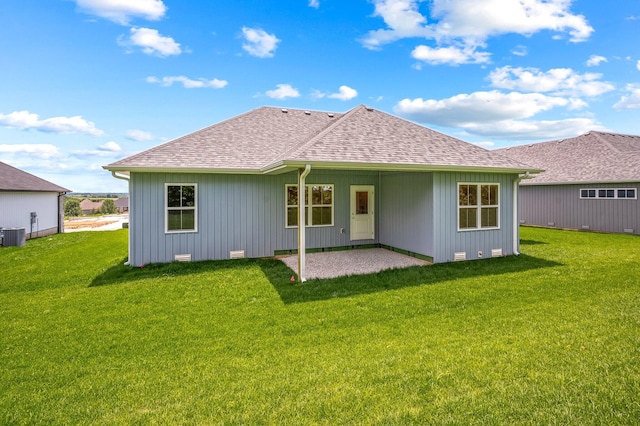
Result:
<point x="236" y="254"/>
<point x="551" y="224"/>
<point x="496" y="252"/>
<point x="628" y="231"/>
<point x="523" y="221"/>
<point x="459" y="255"/>
<point x="586" y="227"/>
<point x="182" y="258"/>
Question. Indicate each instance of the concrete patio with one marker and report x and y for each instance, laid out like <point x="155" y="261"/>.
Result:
<point x="332" y="264"/>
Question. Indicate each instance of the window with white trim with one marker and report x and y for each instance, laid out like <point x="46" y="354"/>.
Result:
<point x="609" y="193"/>
<point x="318" y="205"/>
<point x="181" y="207"/>
<point x="478" y="206"/>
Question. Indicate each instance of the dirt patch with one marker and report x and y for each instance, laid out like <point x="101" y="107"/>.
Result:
<point x="87" y="223"/>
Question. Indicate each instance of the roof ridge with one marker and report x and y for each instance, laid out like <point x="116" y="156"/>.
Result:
<point x="598" y="136"/>
<point x="319" y="135"/>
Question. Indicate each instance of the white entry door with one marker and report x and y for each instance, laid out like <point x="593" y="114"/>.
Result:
<point x="362" y="212"/>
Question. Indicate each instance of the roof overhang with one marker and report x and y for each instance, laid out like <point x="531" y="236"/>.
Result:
<point x="582" y="182"/>
<point x="287" y="166"/>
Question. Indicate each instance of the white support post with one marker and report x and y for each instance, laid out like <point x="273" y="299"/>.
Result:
<point x="302" y="244"/>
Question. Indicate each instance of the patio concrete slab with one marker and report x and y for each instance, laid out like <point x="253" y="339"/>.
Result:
<point x="332" y="264"/>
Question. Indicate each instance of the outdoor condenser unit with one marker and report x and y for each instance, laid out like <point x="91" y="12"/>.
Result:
<point x="14" y="237"/>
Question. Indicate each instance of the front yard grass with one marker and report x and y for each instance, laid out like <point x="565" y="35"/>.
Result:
<point x="550" y="337"/>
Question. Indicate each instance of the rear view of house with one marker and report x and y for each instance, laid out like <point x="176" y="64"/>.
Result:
<point x="590" y="182"/>
<point x="281" y="180"/>
<point x="29" y="202"/>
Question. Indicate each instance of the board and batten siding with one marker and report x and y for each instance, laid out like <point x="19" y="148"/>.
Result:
<point x="447" y="239"/>
<point x="560" y="206"/>
<point x="406" y="211"/>
<point x="16" y="208"/>
<point x="235" y="212"/>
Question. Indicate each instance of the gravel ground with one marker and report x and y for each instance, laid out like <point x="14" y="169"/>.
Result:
<point x="351" y="262"/>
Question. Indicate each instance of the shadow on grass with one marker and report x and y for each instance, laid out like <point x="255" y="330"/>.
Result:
<point x="531" y="242"/>
<point x="120" y="273"/>
<point x="279" y="275"/>
<point x="317" y="289"/>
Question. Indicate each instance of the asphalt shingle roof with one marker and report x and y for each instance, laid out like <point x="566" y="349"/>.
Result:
<point x="593" y="157"/>
<point x="12" y="179"/>
<point x="268" y="136"/>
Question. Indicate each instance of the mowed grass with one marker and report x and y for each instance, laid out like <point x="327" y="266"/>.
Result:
<point x="550" y="337"/>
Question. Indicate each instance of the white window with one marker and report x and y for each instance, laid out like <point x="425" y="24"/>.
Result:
<point x="318" y="205"/>
<point x="609" y="193"/>
<point x="181" y="213"/>
<point x="478" y="206"/>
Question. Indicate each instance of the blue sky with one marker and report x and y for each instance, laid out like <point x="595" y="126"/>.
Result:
<point x="86" y="82"/>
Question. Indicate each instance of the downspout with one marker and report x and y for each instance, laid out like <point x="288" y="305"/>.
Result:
<point x="128" y="179"/>
<point x="302" y="244"/>
<point x="516" y="219"/>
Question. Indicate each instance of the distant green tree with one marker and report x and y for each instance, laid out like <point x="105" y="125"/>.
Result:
<point x="72" y="207"/>
<point x="108" y="207"/>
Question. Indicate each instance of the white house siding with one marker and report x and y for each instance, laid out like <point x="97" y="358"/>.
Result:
<point x="447" y="239"/>
<point x="406" y="211"/>
<point x="16" y="208"/>
<point x="560" y="206"/>
<point x="235" y="212"/>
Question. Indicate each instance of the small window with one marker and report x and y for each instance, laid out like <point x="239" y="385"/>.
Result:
<point x="318" y="205"/>
<point x="478" y="206"/>
<point x="608" y="193"/>
<point x="181" y="213"/>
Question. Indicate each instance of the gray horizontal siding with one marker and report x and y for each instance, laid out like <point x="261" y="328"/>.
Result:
<point x="448" y="239"/>
<point x="560" y="206"/>
<point x="235" y="212"/>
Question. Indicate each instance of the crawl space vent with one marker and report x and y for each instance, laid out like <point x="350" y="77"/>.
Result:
<point x="460" y="255"/>
<point x="496" y="252"/>
<point x="236" y="254"/>
<point x="182" y="258"/>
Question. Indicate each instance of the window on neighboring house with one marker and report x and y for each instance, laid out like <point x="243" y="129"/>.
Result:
<point x="181" y="207"/>
<point x="318" y="205"/>
<point x="478" y="206"/>
<point x="609" y="193"/>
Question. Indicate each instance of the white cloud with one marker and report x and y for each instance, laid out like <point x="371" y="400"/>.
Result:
<point x="486" y="144"/>
<point x="595" y="60"/>
<point x="122" y="11"/>
<point x="138" y="135"/>
<point x="471" y="22"/>
<point x="449" y="55"/>
<point x="467" y="109"/>
<point x="631" y="100"/>
<point x="520" y="50"/>
<point x="345" y="93"/>
<point x="638" y="65"/>
<point x="109" y="149"/>
<point x="151" y="42"/>
<point x="283" y="91"/>
<point x="544" y="129"/>
<point x="259" y="43"/>
<point x="558" y="81"/>
<point x="187" y="82"/>
<point x="41" y="151"/>
<point x="314" y="3"/>
<point x="25" y="120"/>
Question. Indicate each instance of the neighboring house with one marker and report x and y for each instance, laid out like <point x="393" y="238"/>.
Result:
<point x="27" y="201"/>
<point x="590" y="182"/>
<point x="122" y="204"/>
<point x="369" y="178"/>
<point x="90" y="207"/>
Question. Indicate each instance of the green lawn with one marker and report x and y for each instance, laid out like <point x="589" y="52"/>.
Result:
<point x="550" y="337"/>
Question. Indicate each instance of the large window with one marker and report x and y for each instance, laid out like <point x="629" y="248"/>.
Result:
<point x="478" y="206"/>
<point x="608" y="193"/>
<point x="318" y="205"/>
<point x="181" y="203"/>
